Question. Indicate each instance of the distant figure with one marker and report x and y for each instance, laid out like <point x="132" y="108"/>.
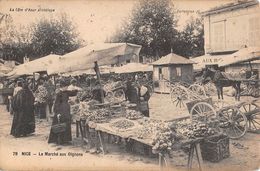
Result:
<point x="23" y="107"/>
<point x="73" y="85"/>
<point x="131" y="92"/>
<point x="61" y="111"/>
<point x="96" y="92"/>
<point x="144" y="97"/>
<point x="18" y="87"/>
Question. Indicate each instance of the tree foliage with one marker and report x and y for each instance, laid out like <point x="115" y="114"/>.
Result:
<point x="14" y="43"/>
<point x="57" y="35"/>
<point x="190" y="41"/>
<point x="151" y="25"/>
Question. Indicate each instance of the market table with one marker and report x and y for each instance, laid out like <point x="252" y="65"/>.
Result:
<point x="194" y="144"/>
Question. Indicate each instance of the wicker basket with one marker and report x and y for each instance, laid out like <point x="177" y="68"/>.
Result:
<point x="59" y="128"/>
<point x="216" y="148"/>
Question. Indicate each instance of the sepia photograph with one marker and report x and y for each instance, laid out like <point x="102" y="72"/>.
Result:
<point x="129" y="85"/>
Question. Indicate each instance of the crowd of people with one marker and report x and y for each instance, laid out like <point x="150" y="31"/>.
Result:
<point x="47" y="98"/>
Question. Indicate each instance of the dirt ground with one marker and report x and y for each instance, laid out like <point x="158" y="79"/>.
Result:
<point x="244" y="153"/>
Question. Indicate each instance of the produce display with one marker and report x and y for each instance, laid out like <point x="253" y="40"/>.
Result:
<point x="41" y="94"/>
<point x="133" y="114"/>
<point x="164" y="138"/>
<point x="99" y="115"/>
<point x="123" y="124"/>
<point x="84" y="94"/>
<point x="112" y="85"/>
<point x="74" y="109"/>
<point x="198" y="129"/>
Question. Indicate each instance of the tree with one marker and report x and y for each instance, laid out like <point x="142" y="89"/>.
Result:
<point x="56" y="35"/>
<point x="14" y="43"/>
<point x="152" y="25"/>
<point x="190" y="41"/>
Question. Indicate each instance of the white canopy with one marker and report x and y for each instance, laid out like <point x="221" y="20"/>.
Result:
<point x="37" y="65"/>
<point x="84" y="58"/>
<point x="243" y="55"/>
<point x="133" y="67"/>
<point x="103" y="70"/>
<point x="5" y="69"/>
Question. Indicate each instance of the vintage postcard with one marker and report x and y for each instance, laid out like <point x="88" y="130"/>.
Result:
<point x="129" y="85"/>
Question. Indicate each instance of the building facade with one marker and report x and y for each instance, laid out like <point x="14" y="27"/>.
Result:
<point x="231" y="27"/>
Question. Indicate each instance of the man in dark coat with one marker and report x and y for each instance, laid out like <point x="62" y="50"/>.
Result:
<point x="23" y="107"/>
<point x="61" y="111"/>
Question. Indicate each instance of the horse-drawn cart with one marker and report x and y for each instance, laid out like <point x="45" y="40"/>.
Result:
<point x="241" y="82"/>
<point x="233" y="120"/>
<point x="181" y="92"/>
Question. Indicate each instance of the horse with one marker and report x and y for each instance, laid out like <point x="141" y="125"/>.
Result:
<point x="220" y="81"/>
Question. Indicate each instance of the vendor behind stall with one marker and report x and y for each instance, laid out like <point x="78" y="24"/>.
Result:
<point x="73" y="85"/>
<point x="96" y="92"/>
<point x="144" y="97"/>
<point x="131" y="91"/>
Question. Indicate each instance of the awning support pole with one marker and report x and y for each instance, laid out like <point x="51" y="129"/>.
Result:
<point x="96" y="68"/>
<point x="250" y="65"/>
<point x="33" y="80"/>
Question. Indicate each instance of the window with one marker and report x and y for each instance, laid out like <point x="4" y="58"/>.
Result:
<point x="218" y="40"/>
<point x="178" y="71"/>
<point x="128" y="61"/>
<point x="160" y="73"/>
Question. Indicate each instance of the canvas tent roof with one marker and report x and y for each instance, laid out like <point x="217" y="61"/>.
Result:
<point x="5" y="69"/>
<point x="172" y="59"/>
<point x="36" y="65"/>
<point x="103" y="70"/>
<point x="84" y="58"/>
<point x="133" y="67"/>
<point x="243" y="55"/>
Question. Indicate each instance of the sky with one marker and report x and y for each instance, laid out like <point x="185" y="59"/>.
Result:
<point x="96" y="20"/>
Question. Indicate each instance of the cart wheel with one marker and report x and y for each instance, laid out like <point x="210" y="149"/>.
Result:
<point x="232" y="122"/>
<point x="119" y="94"/>
<point x="179" y="95"/>
<point x="252" y="113"/>
<point x="198" y="89"/>
<point x="203" y="111"/>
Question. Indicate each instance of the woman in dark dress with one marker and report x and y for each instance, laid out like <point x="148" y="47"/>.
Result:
<point x="23" y="107"/>
<point x="144" y="96"/>
<point x="61" y="108"/>
<point x="131" y="92"/>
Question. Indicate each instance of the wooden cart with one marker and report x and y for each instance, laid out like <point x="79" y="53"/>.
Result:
<point x="233" y="120"/>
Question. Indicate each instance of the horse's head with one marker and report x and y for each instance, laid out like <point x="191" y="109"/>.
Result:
<point x="207" y="73"/>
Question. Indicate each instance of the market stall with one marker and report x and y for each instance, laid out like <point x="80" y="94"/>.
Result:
<point x="84" y="58"/>
<point x="156" y="136"/>
<point x="36" y="65"/>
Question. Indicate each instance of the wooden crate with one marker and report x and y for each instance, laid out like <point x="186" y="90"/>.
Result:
<point x="215" y="149"/>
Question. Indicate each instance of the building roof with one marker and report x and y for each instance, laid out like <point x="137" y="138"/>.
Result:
<point x="231" y="6"/>
<point x="243" y="55"/>
<point x="172" y="59"/>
